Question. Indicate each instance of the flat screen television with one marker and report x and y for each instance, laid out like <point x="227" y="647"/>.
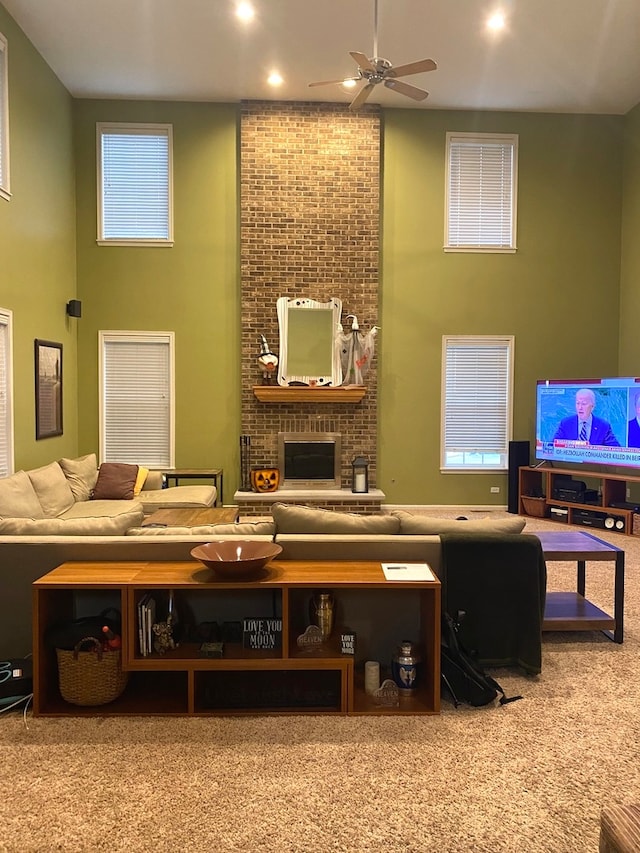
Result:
<point x="610" y="409"/>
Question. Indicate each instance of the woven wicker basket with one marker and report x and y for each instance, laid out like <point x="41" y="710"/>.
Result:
<point x="535" y="506"/>
<point x="90" y="677"/>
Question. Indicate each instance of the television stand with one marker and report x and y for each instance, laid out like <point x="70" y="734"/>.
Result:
<point x="537" y="487"/>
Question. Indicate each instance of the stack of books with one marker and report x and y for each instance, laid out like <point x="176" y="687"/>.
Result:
<point x="146" y="618"/>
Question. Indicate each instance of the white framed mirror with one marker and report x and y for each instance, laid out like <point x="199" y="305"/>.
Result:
<point x="309" y="346"/>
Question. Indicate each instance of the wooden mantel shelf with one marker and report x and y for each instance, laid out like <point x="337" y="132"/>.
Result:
<point x="302" y="394"/>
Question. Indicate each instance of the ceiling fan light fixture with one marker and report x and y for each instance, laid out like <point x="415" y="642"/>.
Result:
<point x="373" y="70"/>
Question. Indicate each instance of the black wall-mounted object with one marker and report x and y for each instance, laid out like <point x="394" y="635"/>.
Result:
<point x="74" y="308"/>
<point x="518" y="458"/>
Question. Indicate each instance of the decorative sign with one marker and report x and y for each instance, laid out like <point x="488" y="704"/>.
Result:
<point x="311" y="637"/>
<point x="259" y="632"/>
<point x="347" y="643"/>
<point x="387" y="693"/>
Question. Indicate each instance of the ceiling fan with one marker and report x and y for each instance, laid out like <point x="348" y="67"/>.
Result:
<point x="374" y="70"/>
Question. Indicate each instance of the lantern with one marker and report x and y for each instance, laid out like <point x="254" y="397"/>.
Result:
<point x="360" y="475"/>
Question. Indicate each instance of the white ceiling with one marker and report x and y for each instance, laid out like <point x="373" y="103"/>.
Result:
<point x="554" y="56"/>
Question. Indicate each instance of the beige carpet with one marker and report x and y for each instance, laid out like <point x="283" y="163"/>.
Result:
<point x="530" y="776"/>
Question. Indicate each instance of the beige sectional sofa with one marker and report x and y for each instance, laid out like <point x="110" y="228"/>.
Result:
<point x="75" y="497"/>
<point x="304" y="533"/>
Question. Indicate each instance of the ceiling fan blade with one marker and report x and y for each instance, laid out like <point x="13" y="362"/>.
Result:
<point x="412" y="68"/>
<point x="406" y="89"/>
<point x="362" y="96"/>
<point x="362" y="60"/>
<point x="330" y="82"/>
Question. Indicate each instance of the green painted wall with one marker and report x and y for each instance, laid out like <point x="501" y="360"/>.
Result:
<point x="558" y="294"/>
<point x="630" y="273"/>
<point x="37" y="240"/>
<point x="191" y="289"/>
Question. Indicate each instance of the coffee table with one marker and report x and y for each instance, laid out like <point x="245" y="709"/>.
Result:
<point x="191" y="517"/>
<point x="571" y="611"/>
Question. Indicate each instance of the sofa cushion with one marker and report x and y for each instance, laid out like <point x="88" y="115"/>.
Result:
<point x="429" y="525"/>
<point x="143" y="473"/>
<point x="130" y="513"/>
<point x="177" y="497"/>
<point x="81" y="474"/>
<point x="52" y="489"/>
<point x="97" y="526"/>
<point x="248" y="529"/>
<point x="116" y="481"/>
<point x="154" y="480"/>
<point x="18" y="498"/>
<point x="302" y="519"/>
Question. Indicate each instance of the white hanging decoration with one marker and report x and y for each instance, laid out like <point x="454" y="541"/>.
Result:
<point x="356" y="351"/>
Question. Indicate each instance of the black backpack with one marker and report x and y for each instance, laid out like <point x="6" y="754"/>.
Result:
<point x="462" y="677"/>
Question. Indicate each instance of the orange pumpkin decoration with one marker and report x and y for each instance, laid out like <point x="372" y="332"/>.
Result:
<point x="265" y="479"/>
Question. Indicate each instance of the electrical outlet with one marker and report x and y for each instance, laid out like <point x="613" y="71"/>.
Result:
<point x="495" y="490"/>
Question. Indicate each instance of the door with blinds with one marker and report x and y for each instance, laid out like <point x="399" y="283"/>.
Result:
<point x="137" y="398"/>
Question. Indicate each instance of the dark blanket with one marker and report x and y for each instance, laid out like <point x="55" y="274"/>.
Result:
<point x="499" y="582"/>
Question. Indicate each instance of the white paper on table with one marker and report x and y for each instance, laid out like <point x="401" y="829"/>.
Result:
<point x="407" y="572"/>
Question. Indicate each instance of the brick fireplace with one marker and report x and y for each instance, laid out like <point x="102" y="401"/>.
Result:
<point x="309" y="200"/>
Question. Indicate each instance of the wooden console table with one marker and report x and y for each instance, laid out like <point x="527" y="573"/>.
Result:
<point x="287" y="679"/>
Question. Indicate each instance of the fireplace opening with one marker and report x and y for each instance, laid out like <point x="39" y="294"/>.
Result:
<point x="309" y="460"/>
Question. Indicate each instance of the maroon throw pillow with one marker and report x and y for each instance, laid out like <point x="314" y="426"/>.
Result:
<point x="116" y="481"/>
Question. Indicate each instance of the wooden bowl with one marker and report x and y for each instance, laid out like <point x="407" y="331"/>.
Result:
<point x="235" y="559"/>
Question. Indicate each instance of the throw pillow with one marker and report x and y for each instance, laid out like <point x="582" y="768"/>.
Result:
<point x="422" y="524"/>
<point x="52" y="489"/>
<point x="302" y="519"/>
<point x="143" y="473"/>
<point x="116" y="481"/>
<point x="18" y="498"/>
<point x="81" y="475"/>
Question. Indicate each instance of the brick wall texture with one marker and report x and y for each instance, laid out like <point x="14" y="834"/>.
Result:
<point x="310" y="227"/>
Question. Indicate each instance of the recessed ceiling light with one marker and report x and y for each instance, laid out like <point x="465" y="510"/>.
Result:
<point x="275" y="79"/>
<point x="349" y="84"/>
<point x="496" y="22"/>
<point x="245" y="11"/>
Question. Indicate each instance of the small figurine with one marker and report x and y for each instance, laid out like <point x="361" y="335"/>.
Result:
<point x="268" y="362"/>
<point x="164" y="636"/>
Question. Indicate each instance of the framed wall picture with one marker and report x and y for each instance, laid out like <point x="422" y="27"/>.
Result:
<point x="48" y="365"/>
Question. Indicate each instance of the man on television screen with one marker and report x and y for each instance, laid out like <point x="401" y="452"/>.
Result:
<point x="634" y="424"/>
<point x="584" y="425"/>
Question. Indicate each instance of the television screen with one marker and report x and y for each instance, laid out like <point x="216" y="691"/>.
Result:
<point x="595" y="421"/>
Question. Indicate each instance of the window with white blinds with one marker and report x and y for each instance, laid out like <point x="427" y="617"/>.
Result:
<point x="6" y="394"/>
<point x="4" y="120"/>
<point x="137" y="398"/>
<point x="477" y="402"/>
<point x="135" y="184"/>
<point x="481" y="192"/>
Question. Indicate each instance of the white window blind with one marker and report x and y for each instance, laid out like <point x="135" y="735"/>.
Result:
<point x="135" y="184"/>
<point x="6" y="395"/>
<point x="4" y="120"/>
<point x="477" y="389"/>
<point x="481" y="192"/>
<point x="137" y="398"/>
